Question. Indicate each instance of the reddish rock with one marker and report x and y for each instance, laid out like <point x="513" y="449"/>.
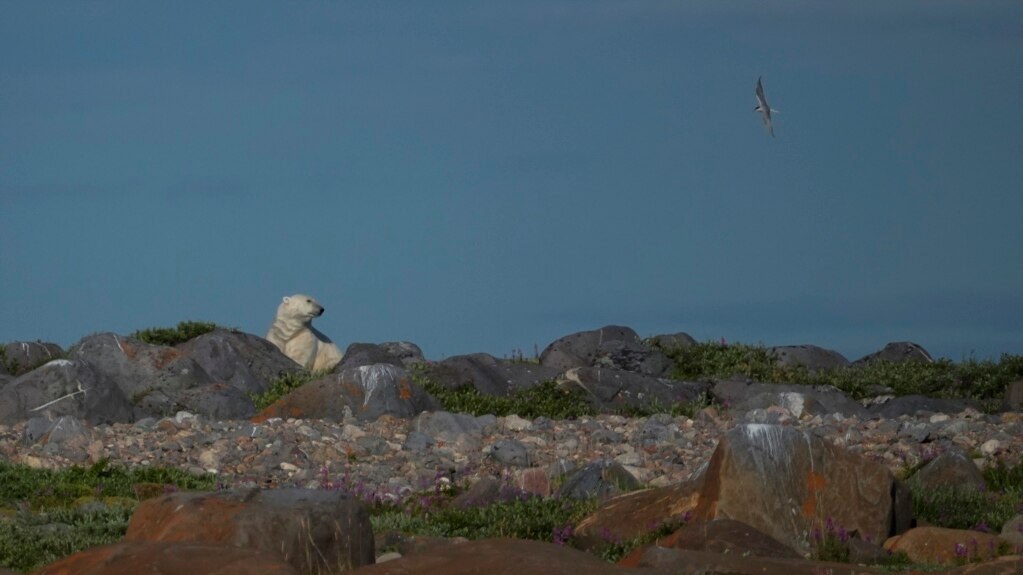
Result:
<point x="946" y="546"/>
<point x="788" y="483"/>
<point x="630" y="515"/>
<point x="687" y="562"/>
<point x="318" y="532"/>
<point x="168" y="558"/>
<point x="728" y="536"/>
<point x="497" y="557"/>
<point x="368" y="391"/>
<point x="534" y="481"/>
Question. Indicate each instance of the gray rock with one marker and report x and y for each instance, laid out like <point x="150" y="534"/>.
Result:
<point x="138" y="368"/>
<point x="398" y="354"/>
<point x="919" y="404"/>
<point x="743" y="395"/>
<point x="489" y="375"/>
<point x="510" y="452"/>
<point x="64" y="387"/>
<point x="375" y="390"/>
<point x="672" y="341"/>
<point x="602" y="479"/>
<point x="21" y="357"/>
<point x="583" y="348"/>
<point x="417" y="442"/>
<point x="408" y="352"/>
<point x="245" y="361"/>
<point x="811" y="357"/>
<point x="214" y="401"/>
<point x="635" y="357"/>
<point x="897" y="352"/>
<point x="953" y="467"/>
<point x="447" y="426"/>
<point x="610" y="389"/>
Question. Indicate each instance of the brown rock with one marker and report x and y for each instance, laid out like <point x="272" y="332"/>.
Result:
<point x="728" y="536"/>
<point x="497" y="557"/>
<point x="688" y="562"/>
<point x="950" y="468"/>
<point x="318" y="532"/>
<point x="946" y="546"/>
<point x="787" y="483"/>
<point x="631" y="515"/>
<point x="168" y="558"/>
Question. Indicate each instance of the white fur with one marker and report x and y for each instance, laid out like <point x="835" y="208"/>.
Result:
<point x="293" y="333"/>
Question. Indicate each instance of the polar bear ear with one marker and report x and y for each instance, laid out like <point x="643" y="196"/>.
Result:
<point x="286" y="299"/>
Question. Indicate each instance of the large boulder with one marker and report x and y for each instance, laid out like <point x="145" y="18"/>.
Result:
<point x="366" y="392"/>
<point x="610" y="389"/>
<point x="64" y="387"/>
<point x="489" y="375"/>
<point x="317" y="532"/>
<point x="612" y="346"/>
<point x="897" y="352"/>
<point x="139" y="368"/>
<point x="787" y="483"/>
<point x="169" y="558"/>
<point x="245" y="361"/>
<point x="20" y="357"/>
<point x="811" y="357"/>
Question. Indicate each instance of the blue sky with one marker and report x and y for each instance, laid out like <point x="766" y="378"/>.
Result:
<point x="485" y="176"/>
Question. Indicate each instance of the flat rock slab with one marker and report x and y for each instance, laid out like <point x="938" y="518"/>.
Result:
<point x="631" y="515"/>
<point x="168" y="558"/>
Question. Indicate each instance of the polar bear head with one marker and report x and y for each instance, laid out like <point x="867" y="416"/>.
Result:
<point x="299" y="307"/>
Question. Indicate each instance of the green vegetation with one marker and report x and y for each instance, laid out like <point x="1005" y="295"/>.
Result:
<point x="545" y="399"/>
<point x="284" y="385"/>
<point x="969" y="508"/>
<point x="30" y="540"/>
<point x="984" y="381"/>
<point x="46" y="515"/>
<point x="530" y="518"/>
<point x="184" y="331"/>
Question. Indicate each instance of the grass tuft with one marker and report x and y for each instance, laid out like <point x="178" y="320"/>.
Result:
<point x="184" y="331"/>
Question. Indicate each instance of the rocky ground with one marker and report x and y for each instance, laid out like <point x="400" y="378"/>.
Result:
<point x="391" y="456"/>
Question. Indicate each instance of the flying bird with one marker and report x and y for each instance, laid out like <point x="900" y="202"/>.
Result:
<point x="764" y="109"/>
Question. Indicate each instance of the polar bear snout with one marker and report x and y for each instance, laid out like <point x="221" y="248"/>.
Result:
<point x="319" y="312"/>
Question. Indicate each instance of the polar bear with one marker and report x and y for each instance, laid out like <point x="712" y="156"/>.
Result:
<point x="293" y="333"/>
